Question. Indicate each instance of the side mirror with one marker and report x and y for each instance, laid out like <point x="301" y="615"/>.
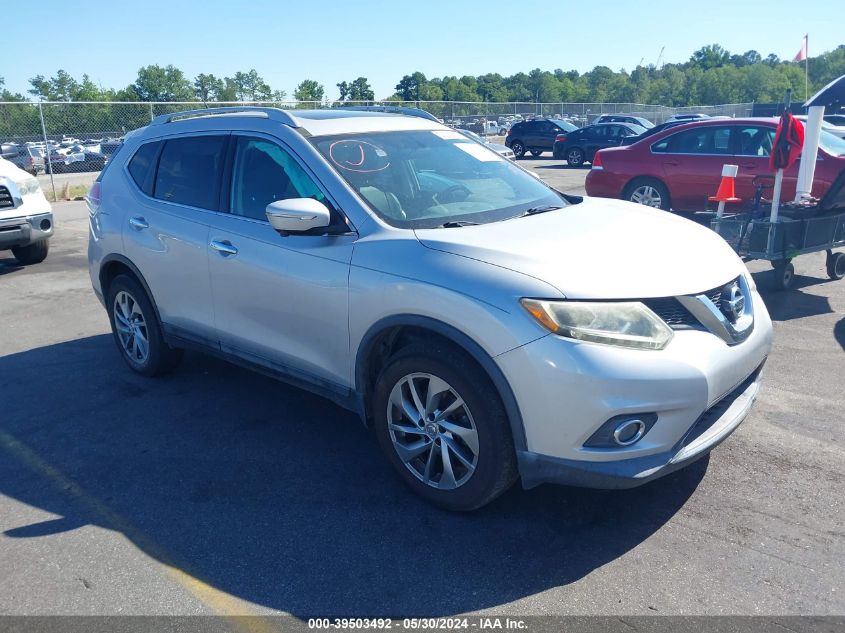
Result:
<point x="297" y="215"/>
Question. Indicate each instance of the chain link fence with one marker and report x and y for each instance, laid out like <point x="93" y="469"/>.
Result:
<point x="67" y="137"/>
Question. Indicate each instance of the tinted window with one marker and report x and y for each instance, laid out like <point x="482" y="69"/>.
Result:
<point x="189" y="171"/>
<point x="702" y="140"/>
<point x="141" y="165"/>
<point x="755" y="141"/>
<point x="262" y="172"/>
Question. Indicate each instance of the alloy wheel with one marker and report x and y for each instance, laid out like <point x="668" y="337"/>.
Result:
<point x="131" y="328"/>
<point x="647" y="195"/>
<point x="432" y="431"/>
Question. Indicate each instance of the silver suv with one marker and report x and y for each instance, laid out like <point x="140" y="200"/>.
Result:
<point x="485" y="326"/>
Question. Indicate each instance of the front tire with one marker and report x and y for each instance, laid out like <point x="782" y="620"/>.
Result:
<point x="442" y="426"/>
<point x="136" y="330"/>
<point x="518" y="149"/>
<point x="536" y="152"/>
<point x="35" y="253"/>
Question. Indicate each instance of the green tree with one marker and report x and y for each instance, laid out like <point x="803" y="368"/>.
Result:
<point x="309" y="90"/>
<point x="408" y="88"/>
<point x="208" y="87"/>
<point x="356" y="90"/>
<point x="167" y="83"/>
<point x="710" y="56"/>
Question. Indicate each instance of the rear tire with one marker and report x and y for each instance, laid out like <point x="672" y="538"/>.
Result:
<point x="575" y="157"/>
<point x="457" y="417"/>
<point x="536" y="152"/>
<point x="649" y="192"/>
<point x="35" y="253"/>
<point x="136" y="329"/>
<point x="836" y="265"/>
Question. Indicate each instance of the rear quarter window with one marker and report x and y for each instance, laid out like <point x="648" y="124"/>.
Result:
<point x="141" y="165"/>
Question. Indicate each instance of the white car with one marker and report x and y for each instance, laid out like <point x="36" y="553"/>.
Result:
<point x="26" y="218"/>
<point x="827" y="126"/>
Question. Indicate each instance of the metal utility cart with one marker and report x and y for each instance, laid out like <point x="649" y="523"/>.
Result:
<point x="779" y="232"/>
<point x="786" y="238"/>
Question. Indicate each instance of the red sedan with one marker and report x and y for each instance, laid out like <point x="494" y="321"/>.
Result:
<point x="680" y="167"/>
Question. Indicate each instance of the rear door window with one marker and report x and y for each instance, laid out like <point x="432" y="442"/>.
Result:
<point x="142" y="165"/>
<point x="755" y="140"/>
<point x="189" y="171"/>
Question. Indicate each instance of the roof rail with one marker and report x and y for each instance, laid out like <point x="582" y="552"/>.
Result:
<point x="275" y="114"/>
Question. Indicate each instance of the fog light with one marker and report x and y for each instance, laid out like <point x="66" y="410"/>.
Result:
<point x="45" y="224"/>
<point x="629" y="432"/>
<point x="622" y="430"/>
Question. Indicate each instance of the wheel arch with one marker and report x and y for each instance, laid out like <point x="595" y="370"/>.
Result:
<point x="114" y="265"/>
<point x="392" y="333"/>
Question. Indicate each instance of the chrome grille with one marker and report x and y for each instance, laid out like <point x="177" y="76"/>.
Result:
<point x="677" y="316"/>
<point x="6" y="201"/>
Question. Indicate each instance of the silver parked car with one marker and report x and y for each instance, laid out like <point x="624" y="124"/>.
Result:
<point x="484" y="325"/>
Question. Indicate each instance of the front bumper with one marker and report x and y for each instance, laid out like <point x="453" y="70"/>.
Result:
<point x="699" y="388"/>
<point x="25" y="230"/>
<point x="710" y="430"/>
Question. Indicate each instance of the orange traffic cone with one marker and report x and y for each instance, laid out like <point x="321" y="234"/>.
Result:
<point x="727" y="187"/>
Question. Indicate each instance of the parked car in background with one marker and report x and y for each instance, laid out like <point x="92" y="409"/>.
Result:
<point x="680" y="167"/>
<point x="75" y="158"/>
<point x="630" y="140"/>
<point x="687" y="117"/>
<point x="26" y="219"/>
<point x="827" y="126"/>
<point x="484" y="333"/>
<point x="835" y="119"/>
<point x="623" y="118"/>
<point x="502" y="150"/>
<point x="536" y="136"/>
<point x="580" y="145"/>
<point x="26" y="157"/>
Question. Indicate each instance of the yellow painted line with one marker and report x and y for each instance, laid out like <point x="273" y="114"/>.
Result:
<point x="227" y="606"/>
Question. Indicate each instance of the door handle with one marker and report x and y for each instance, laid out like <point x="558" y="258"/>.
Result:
<point x="225" y="248"/>
<point x="138" y="223"/>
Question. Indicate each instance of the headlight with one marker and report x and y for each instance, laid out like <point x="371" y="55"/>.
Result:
<point x="626" y="324"/>
<point x="28" y="186"/>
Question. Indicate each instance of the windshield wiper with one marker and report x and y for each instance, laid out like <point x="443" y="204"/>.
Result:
<point x="453" y="224"/>
<point x="543" y="209"/>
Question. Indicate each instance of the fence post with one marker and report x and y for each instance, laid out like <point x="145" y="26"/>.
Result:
<point x="152" y="116"/>
<point x="47" y="150"/>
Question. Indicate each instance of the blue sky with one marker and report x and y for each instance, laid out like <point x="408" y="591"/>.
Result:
<point x="334" y="41"/>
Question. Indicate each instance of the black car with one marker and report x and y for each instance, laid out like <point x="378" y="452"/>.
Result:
<point x="628" y="140"/>
<point x="581" y="145"/>
<point x="85" y="161"/>
<point x="536" y="136"/>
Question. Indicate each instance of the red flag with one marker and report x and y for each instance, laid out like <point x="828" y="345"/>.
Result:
<point x="789" y="139"/>
<point x="802" y="54"/>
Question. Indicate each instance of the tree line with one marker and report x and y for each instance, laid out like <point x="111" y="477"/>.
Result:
<point x="711" y="76"/>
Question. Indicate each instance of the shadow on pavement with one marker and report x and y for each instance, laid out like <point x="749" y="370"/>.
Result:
<point x="279" y="497"/>
<point x="839" y="332"/>
<point x="9" y="265"/>
<point x="784" y="305"/>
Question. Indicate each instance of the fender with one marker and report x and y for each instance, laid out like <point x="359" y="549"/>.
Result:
<point x="114" y="257"/>
<point x="461" y="340"/>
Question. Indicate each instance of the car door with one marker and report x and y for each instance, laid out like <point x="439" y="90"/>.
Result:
<point x="548" y="131"/>
<point x="165" y="234"/>
<point x="279" y="301"/>
<point x="752" y="147"/>
<point x="692" y="164"/>
<point x="593" y="139"/>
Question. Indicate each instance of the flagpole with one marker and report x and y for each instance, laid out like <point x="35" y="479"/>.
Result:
<point x="806" y="66"/>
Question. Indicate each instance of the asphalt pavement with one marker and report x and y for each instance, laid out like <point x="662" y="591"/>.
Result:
<point x="215" y="490"/>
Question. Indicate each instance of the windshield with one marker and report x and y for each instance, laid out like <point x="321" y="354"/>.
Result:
<point x="832" y="144"/>
<point x="423" y="179"/>
<point x="565" y="125"/>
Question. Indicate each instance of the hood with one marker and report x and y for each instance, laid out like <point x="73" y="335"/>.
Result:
<point x="600" y="249"/>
